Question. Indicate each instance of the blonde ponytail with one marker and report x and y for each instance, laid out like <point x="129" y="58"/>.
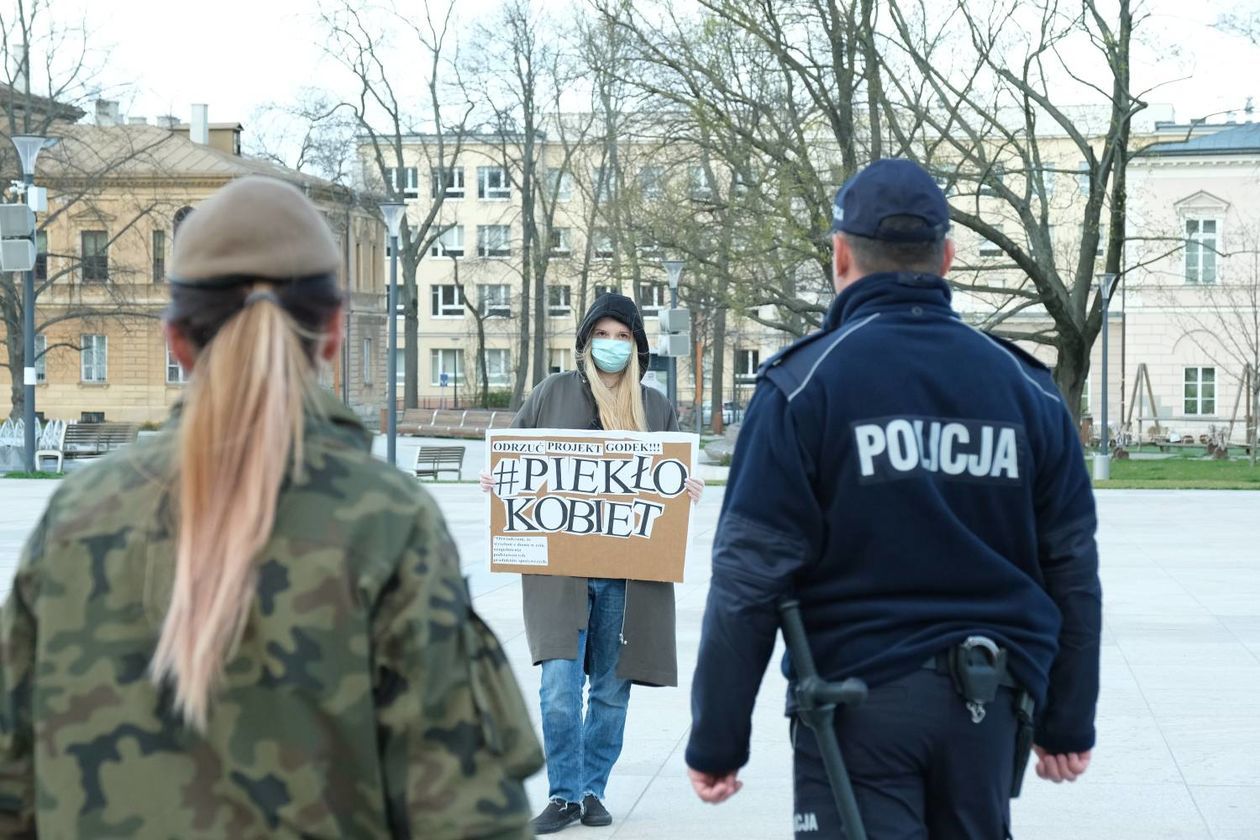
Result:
<point x="241" y="430"/>
<point x="620" y="407"/>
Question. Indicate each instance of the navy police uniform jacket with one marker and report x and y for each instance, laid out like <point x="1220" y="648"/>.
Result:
<point x="912" y="481"/>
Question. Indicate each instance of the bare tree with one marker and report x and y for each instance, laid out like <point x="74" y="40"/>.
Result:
<point x="1243" y="20"/>
<point x="993" y="118"/>
<point x="524" y="70"/>
<point x="767" y="96"/>
<point x="361" y="40"/>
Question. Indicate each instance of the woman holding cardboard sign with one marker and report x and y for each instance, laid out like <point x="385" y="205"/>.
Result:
<point x="612" y="632"/>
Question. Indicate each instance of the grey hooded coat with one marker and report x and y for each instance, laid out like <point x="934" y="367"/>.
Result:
<point x="556" y="607"/>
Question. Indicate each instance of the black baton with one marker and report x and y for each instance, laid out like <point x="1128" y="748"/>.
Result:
<point x="816" y="702"/>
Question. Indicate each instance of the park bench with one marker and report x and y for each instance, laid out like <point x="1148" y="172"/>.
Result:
<point x="91" y="439"/>
<point x="431" y="461"/>
<point x="470" y="423"/>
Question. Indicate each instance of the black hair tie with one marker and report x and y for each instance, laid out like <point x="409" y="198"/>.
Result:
<point x="260" y="294"/>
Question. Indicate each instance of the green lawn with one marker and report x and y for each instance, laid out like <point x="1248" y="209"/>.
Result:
<point x="1182" y="473"/>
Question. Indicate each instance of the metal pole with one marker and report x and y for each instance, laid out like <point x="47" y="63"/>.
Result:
<point x="672" y="389"/>
<point x="28" y="351"/>
<point x="1102" y="461"/>
<point x="391" y="387"/>
<point x="699" y="387"/>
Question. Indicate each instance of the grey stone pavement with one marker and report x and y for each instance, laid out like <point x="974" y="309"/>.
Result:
<point x="1178" y="751"/>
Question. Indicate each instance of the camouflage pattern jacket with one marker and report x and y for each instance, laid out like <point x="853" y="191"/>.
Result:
<point x="366" y="698"/>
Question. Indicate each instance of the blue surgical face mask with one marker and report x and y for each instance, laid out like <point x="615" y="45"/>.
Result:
<point x="611" y="355"/>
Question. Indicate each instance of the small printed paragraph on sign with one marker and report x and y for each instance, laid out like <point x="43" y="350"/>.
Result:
<point x="590" y="504"/>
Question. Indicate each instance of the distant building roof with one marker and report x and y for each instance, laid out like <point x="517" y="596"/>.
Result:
<point x="1233" y="140"/>
<point x="15" y="101"/>
<point x="147" y="152"/>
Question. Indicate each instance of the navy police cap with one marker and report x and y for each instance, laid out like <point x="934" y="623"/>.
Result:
<point x="891" y="187"/>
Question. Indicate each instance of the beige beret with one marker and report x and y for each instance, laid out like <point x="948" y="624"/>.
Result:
<point x="253" y="227"/>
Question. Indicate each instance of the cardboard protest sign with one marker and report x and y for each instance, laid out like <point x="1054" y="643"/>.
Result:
<point x="590" y="504"/>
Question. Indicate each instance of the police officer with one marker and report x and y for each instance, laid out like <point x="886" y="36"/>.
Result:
<point x="919" y="487"/>
<point x="246" y="626"/>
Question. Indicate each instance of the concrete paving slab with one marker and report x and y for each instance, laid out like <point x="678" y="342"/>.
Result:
<point x="1179" y="719"/>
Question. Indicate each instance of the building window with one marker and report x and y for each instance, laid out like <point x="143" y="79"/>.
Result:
<point x="602" y="243"/>
<point x="1048" y="175"/>
<point x="400" y="367"/>
<point x="448" y="361"/>
<point x="1200" y="391"/>
<point x="41" y="349"/>
<point x="178" y="219"/>
<point x="989" y="248"/>
<point x="651" y="249"/>
<point x="408" y="185"/>
<point x="561" y="242"/>
<point x="1083" y="176"/>
<point x="41" y="255"/>
<point x="603" y="179"/>
<point x="492" y="183"/>
<point x="494" y="240"/>
<point x="654" y="296"/>
<point x="559" y="184"/>
<point x="1201" y="239"/>
<point x="699" y="185"/>
<point x="1086" y="398"/>
<point x="94" y="358"/>
<point x="746" y="364"/>
<point x="454" y="181"/>
<point x="450" y="243"/>
<point x="369" y="361"/>
<point x="446" y="302"/>
<point x="494" y="300"/>
<point x="558" y="360"/>
<point x="991" y="179"/>
<point x="601" y="289"/>
<point x="95" y="256"/>
<point x="498" y="367"/>
<point x="651" y="182"/>
<point x="159" y="256"/>
<point x="558" y="301"/>
<point x="174" y="370"/>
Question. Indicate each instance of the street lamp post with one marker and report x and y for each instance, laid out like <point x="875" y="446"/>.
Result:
<point x="1102" y="461"/>
<point x="673" y="272"/>
<point x="28" y="148"/>
<point x="393" y="213"/>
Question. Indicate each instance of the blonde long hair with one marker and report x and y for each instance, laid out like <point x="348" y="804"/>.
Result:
<point x="620" y="407"/>
<point x="240" y="433"/>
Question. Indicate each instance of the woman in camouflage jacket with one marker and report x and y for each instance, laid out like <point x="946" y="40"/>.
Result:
<point x="246" y="626"/>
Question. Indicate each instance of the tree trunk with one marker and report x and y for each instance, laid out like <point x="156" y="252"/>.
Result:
<point x="541" y="314"/>
<point x="719" y="367"/>
<point x="1071" y="372"/>
<point x="522" y="346"/>
<point x="17" y="391"/>
<point x="411" y="338"/>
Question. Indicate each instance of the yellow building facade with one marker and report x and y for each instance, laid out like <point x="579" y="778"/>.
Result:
<point x="116" y="196"/>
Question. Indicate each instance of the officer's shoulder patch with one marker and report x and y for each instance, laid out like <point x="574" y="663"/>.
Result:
<point x="1019" y="352"/>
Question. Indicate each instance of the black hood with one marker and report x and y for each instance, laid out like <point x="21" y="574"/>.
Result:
<point x="622" y="308"/>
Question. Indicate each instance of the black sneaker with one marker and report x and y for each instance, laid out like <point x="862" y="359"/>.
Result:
<point x="594" y="812"/>
<point x="555" y="816"/>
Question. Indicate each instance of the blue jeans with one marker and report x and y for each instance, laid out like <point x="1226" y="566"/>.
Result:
<point x="581" y="751"/>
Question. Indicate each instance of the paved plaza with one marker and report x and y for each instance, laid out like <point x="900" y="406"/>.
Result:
<point x="1179" y="725"/>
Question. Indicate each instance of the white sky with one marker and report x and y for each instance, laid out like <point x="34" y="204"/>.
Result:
<point x="240" y="55"/>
